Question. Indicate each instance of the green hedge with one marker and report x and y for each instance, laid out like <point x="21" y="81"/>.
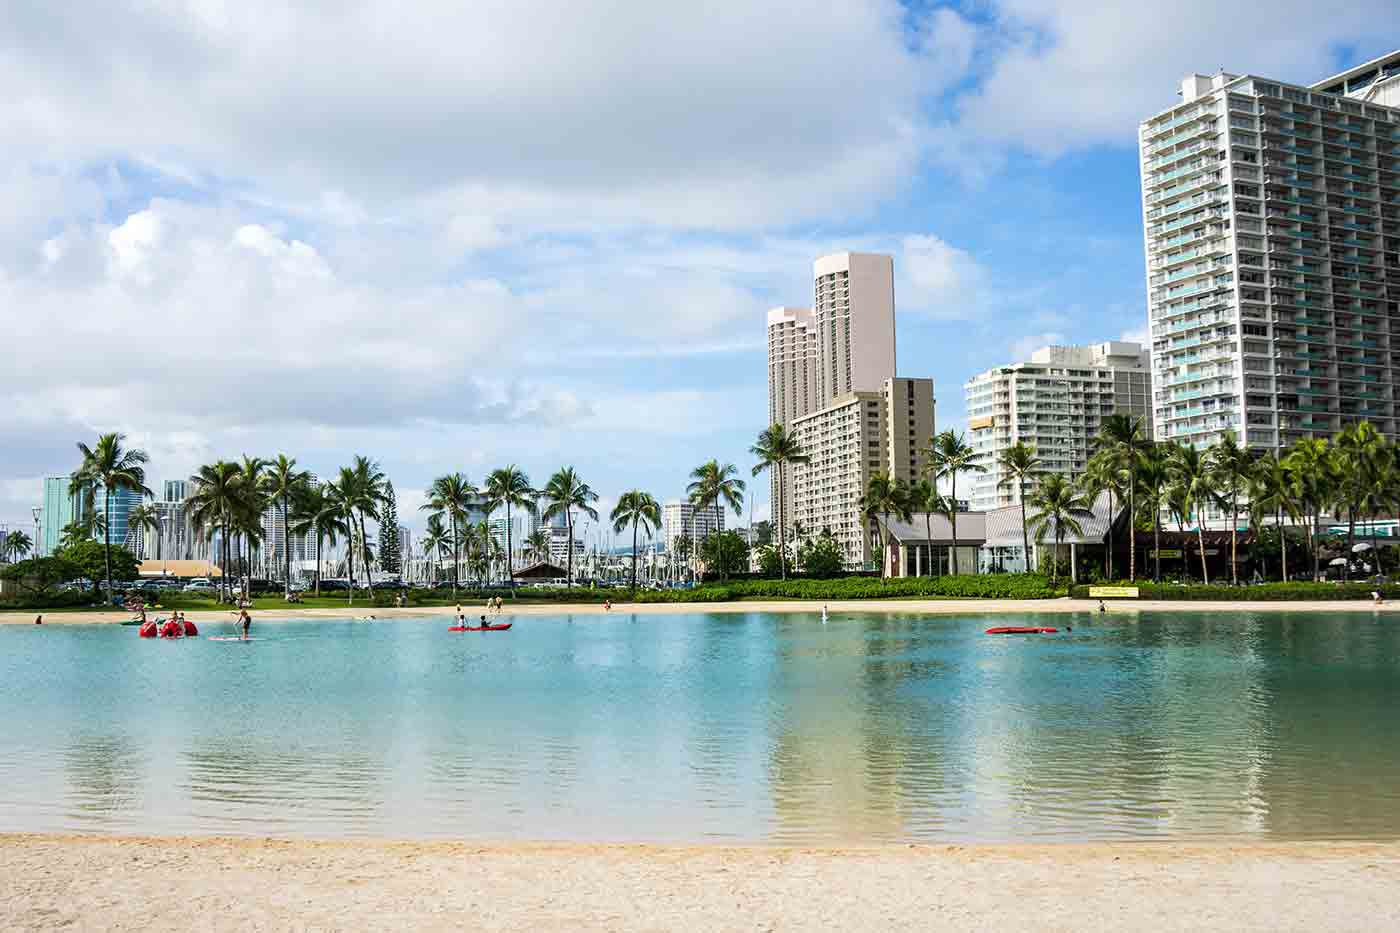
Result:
<point x="1271" y="592"/>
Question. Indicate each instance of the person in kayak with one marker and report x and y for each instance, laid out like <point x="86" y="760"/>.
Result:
<point x="171" y="629"/>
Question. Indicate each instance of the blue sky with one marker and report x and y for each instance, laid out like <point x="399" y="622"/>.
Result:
<point x="547" y="236"/>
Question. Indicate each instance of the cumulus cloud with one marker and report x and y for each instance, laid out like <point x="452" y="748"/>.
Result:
<point x="942" y="280"/>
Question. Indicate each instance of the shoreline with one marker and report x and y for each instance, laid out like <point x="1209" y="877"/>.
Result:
<point x="904" y="606"/>
<point x="165" y="883"/>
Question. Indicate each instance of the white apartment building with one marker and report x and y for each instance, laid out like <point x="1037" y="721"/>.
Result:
<point x="853" y="313"/>
<point x="1272" y="224"/>
<point x="679" y="517"/>
<point x="1054" y="402"/>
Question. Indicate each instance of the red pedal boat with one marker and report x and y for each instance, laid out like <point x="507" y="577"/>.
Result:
<point x="1022" y="630"/>
<point x="480" y="628"/>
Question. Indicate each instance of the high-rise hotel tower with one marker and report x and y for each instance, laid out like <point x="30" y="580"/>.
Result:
<point x="832" y="383"/>
<point x="1272" y="217"/>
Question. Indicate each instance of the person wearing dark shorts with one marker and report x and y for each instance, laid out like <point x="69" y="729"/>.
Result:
<point x="247" y="621"/>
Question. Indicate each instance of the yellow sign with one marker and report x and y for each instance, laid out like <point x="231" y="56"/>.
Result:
<point x="1101" y="592"/>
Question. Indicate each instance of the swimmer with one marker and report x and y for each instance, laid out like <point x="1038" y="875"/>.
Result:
<point x="1102" y="607"/>
<point x="38" y="620"/>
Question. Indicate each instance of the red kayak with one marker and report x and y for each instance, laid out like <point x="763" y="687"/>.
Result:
<point x="480" y="628"/>
<point x="1022" y="630"/>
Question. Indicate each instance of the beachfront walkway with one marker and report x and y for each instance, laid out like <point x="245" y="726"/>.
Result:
<point x="154" y="884"/>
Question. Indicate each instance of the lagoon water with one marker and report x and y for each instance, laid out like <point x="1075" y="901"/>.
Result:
<point x="725" y="728"/>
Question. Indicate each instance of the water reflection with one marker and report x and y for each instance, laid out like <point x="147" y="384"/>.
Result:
<point x="733" y="727"/>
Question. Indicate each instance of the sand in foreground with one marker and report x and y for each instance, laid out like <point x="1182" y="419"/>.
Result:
<point x="221" y="884"/>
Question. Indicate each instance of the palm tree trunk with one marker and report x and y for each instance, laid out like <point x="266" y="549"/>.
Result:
<point x="107" y="537"/>
<point x="953" y="491"/>
<point x="1282" y="545"/>
<point x="350" y="559"/>
<point x="1108" y="558"/>
<point x="1132" y="528"/>
<point x="1316" y="530"/>
<point x="634" y="558"/>
<point x="569" y="530"/>
<point x="928" y="533"/>
<point x="1234" y="536"/>
<point x="286" y="549"/>
<point x="1201" y="539"/>
<point x="782" y="532"/>
<point x="719" y="556"/>
<point x="1157" y="546"/>
<point x="318" y="562"/>
<point x="1025" y="535"/>
<point x="1351" y="540"/>
<point x="224" y="555"/>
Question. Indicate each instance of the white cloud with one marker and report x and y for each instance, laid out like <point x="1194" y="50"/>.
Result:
<point x="1067" y="74"/>
<point x="1137" y="335"/>
<point x="940" y="279"/>
<point x="1022" y="347"/>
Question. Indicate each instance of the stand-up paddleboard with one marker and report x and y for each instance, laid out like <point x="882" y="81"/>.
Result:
<point x="1022" y="630"/>
<point x="481" y="628"/>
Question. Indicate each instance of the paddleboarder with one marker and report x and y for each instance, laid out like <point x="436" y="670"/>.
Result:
<point x="246" y="620"/>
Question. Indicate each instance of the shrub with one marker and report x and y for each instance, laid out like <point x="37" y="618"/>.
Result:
<point x="1270" y="592"/>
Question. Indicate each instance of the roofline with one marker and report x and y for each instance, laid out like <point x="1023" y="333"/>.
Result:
<point x="1356" y="69"/>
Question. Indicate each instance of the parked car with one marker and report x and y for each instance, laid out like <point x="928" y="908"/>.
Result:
<point x="200" y="586"/>
<point x="388" y="585"/>
<point x="341" y="585"/>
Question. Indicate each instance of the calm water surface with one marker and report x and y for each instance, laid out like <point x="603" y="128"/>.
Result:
<point x="768" y="728"/>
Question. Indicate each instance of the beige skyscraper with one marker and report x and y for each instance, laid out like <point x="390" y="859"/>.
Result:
<point x="832" y="383"/>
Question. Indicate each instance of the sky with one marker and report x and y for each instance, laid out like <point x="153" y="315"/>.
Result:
<point x="455" y="236"/>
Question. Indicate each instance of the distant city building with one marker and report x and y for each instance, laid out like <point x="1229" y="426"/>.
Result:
<point x="1055" y="402"/>
<point x="680" y="518"/>
<point x="1272" y="274"/>
<point x="175" y="490"/>
<point x="59" y="510"/>
<point x="832" y="382"/>
<point x="123" y="501"/>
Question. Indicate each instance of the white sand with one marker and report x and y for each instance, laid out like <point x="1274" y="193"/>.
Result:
<point x="907" y="606"/>
<point x="220" y="884"/>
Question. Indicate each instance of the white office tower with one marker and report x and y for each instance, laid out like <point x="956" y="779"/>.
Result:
<point x="1272" y="217"/>
<point x="680" y="518"/>
<point x="1054" y="402"/>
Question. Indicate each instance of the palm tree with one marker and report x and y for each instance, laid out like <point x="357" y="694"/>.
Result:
<point x="451" y="495"/>
<point x="109" y="465"/>
<point x="949" y="455"/>
<point x="537" y="544"/>
<point x="318" y="513"/>
<point x="17" y="544"/>
<point x="777" y="448"/>
<point x="344" y="497"/>
<point x="1312" y="465"/>
<point x="284" y="483"/>
<point x="1104" y="474"/>
<point x="436" y="541"/>
<point x="371" y="492"/>
<point x="1058" y="503"/>
<point x="1195" y="480"/>
<point x="1271" y="493"/>
<point x="1018" y="464"/>
<point x="1233" y="466"/>
<point x="1154" y="477"/>
<point x="714" y="485"/>
<point x="248" y="523"/>
<point x="565" y="492"/>
<point x="885" y="497"/>
<point x="1120" y="437"/>
<point x="925" y="497"/>
<point x="636" y="508"/>
<point x="1359" y="451"/>
<point x="144" y="517"/>
<point x="215" y="501"/>
<point x="508" y="487"/>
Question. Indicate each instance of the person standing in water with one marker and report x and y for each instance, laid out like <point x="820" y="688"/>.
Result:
<point x="246" y="620"/>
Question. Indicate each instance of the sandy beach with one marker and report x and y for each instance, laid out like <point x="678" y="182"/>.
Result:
<point x="906" y="606"/>
<point x="226" y="884"/>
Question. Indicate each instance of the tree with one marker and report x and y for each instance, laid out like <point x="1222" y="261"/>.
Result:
<point x="684" y="548"/>
<point x="1233" y="467"/>
<point x="925" y="497"/>
<point x="769" y="561"/>
<point x="369" y="483"/>
<point x="885" y="497"/>
<point x="436" y="542"/>
<point x="537" y="544"/>
<point x="115" y="469"/>
<point x="821" y="557"/>
<point x="1104" y="474"/>
<point x="92" y="561"/>
<point x="1312" y="466"/>
<point x="763" y="532"/>
<point x="509" y="487"/>
<point x="1121" y="440"/>
<point x="15" y="545"/>
<point x="285" y="484"/>
<point x="727" y="552"/>
<point x="38" y="575"/>
<point x="319" y="514"/>
<point x="1154" y="477"/>
<point x="1271" y="493"/>
<point x="1058" y="504"/>
<point x="216" y="499"/>
<point x="450" y="495"/>
<point x="640" y="510"/>
<point x="1360" y="450"/>
<point x="714" y="485"/>
<point x="948" y="456"/>
<point x="1195" y="481"/>
<point x="1018" y="464"/>
<point x="143" y="518"/>
<point x="775" y="449"/>
<point x="565" y="492"/>
<point x="390" y="558"/>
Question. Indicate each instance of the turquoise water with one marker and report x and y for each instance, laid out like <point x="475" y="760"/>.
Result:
<point x="761" y="727"/>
